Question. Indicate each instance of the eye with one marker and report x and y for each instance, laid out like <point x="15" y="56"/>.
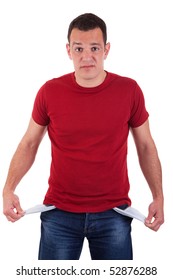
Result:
<point x="78" y="49"/>
<point x="94" y="49"/>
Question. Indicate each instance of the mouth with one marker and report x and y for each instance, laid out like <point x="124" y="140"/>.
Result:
<point x="87" y="66"/>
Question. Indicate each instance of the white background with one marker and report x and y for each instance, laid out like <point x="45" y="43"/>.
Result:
<point x="32" y="51"/>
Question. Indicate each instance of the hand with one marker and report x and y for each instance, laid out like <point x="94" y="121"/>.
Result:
<point x="11" y="207"/>
<point x="155" y="215"/>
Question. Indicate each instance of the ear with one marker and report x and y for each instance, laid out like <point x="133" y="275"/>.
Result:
<point x="107" y="49"/>
<point x="68" y="50"/>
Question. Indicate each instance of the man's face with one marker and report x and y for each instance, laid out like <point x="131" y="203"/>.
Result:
<point x="88" y="52"/>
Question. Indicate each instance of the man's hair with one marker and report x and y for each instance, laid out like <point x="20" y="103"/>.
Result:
<point x="86" y="22"/>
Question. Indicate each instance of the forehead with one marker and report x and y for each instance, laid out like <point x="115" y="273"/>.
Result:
<point x="86" y="37"/>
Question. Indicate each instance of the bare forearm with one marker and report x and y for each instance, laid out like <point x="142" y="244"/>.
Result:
<point x="20" y="164"/>
<point x="151" y="168"/>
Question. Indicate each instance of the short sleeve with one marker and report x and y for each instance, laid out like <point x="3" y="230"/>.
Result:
<point x="139" y="113"/>
<point x="39" y="112"/>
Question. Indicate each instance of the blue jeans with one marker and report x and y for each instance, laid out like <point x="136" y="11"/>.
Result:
<point x="63" y="233"/>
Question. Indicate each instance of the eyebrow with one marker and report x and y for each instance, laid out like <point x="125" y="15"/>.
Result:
<point x="80" y="44"/>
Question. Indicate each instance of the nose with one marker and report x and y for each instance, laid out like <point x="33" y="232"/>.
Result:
<point x="87" y="54"/>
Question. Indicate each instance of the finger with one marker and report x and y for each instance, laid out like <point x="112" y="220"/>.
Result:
<point x="151" y="216"/>
<point x="11" y="219"/>
<point x="155" y="225"/>
<point x="12" y="215"/>
<point x="18" y="207"/>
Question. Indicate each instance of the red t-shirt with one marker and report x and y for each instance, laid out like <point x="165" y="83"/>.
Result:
<point x="88" y="130"/>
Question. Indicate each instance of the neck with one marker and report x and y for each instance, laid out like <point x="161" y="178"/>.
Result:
<point x="91" y="82"/>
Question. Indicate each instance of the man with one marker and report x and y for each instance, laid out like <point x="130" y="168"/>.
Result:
<point x="88" y="115"/>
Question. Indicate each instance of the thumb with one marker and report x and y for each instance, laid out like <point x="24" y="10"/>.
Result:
<point x="17" y="205"/>
<point x="151" y="214"/>
<point x="148" y="220"/>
